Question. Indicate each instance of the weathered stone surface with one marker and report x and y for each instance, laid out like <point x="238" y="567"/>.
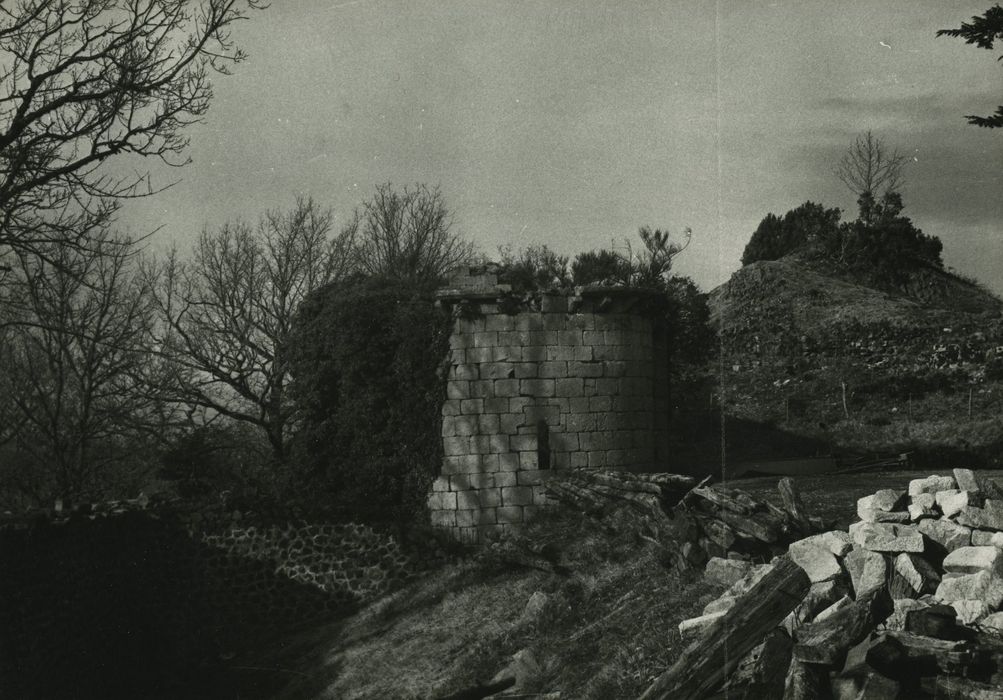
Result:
<point x="836" y="541"/>
<point x="887" y="537"/>
<point x="952" y="501"/>
<point x="982" y="586"/>
<point x="744" y="584"/>
<point x="970" y="611"/>
<point x="868" y="570"/>
<point x="946" y="533"/>
<point x="726" y="571"/>
<point x="987" y="537"/>
<point x="993" y="621"/>
<point x="931" y="484"/>
<point x="969" y="560"/>
<point x="887" y="500"/>
<point x="820" y="596"/>
<point x="869" y="512"/>
<point x="966" y="480"/>
<point x="896" y="621"/>
<point x="989" y="517"/>
<point x="922" y="506"/>
<point x="913" y="576"/>
<point x="817" y="560"/>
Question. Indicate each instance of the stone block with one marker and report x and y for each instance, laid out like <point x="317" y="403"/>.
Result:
<point x="922" y="506"/>
<point x="456" y="389"/>
<point x="523" y="443"/>
<point x="518" y="404"/>
<point x="560" y="353"/>
<point x="531" y="477"/>
<point x="467" y="535"/>
<point x="539" y="388"/>
<point x="896" y="622"/>
<point x="978" y="586"/>
<point x="888" y="500"/>
<point x="529" y="460"/>
<point x="441" y="483"/>
<point x="931" y="484"/>
<point x="989" y="517"/>
<point x="442" y="500"/>
<point x="551" y="415"/>
<point x="443" y="518"/>
<point x="987" y="537"/>
<point x="479" y="355"/>
<point x="467" y="518"/>
<point x="506" y="387"/>
<point x="461" y="426"/>
<point x="553" y="370"/>
<point x="868" y="512"/>
<point x="912" y="576"/>
<point x="969" y="560"/>
<point x="482" y="389"/>
<point x="506" y="354"/>
<point x="508" y="462"/>
<point x="993" y="622"/>
<point x="468" y="500"/>
<point x="815" y="558"/>
<point x="463" y="372"/>
<point x="485" y="339"/>
<point x="493" y="405"/>
<point x="868" y="570"/>
<point x="951" y="501"/>
<point x="490" y="497"/>
<point x="509" y="515"/>
<point x="540" y="497"/>
<point x="585" y="369"/>
<point x="505" y="478"/>
<point x="948" y="534"/>
<point x="726" y="571"/>
<point x="966" y="480"/>
<point x="527" y="370"/>
<point x="600" y="404"/>
<point x="583" y="353"/>
<point x="887" y="537"/>
<point x="570" y="387"/>
<point x="970" y="611"/>
<point x="517" y="496"/>
<point x="836" y="541"/>
<point x="597" y="459"/>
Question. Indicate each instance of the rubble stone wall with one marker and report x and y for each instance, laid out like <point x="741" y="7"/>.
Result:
<point x="554" y="382"/>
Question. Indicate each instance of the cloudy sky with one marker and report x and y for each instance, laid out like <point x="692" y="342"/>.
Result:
<point x="573" y="123"/>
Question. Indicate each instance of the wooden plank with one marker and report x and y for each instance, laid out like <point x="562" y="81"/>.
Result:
<point x="906" y="656"/>
<point x="827" y="642"/>
<point x="770" y="672"/>
<point x="709" y="660"/>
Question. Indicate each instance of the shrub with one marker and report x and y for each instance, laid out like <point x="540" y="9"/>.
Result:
<point x="366" y="359"/>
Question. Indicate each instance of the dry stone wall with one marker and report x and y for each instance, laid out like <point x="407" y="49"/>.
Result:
<point x="543" y="383"/>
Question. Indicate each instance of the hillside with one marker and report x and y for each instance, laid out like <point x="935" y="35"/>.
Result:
<point x="914" y="366"/>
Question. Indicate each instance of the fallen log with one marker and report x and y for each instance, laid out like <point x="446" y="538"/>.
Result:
<point x="793" y="503"/>
<point x="709" y="660"/>
<point x="752" y="527"/>
<point x="827" y="642"/>
<point x="726" y="499"/>
<point x="905" y="656"/>
<point x="770" y="671"/>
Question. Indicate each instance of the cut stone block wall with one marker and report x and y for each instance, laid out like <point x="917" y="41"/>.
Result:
<point x="552" y="382"/>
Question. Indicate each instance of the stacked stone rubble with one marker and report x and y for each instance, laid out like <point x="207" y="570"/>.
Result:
<point x="935" y="552"/>
<point x="553" y="382"/>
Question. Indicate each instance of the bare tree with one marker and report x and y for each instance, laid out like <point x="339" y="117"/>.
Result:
<point x="86" y="80"/>
<point x="75" y="359"/>
<point x="408" y="235"/>
<point x="870" y="171"/>
<point x="226" y="314"/>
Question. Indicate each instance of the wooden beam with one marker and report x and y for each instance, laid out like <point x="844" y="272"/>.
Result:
<point x="709" y="660"/>
<point x="827" y="642"/>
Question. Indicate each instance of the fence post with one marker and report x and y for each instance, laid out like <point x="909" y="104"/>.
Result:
<point x="846" y="411"/>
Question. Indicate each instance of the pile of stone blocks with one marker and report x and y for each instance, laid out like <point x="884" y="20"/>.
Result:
<point x="906" y="603"/>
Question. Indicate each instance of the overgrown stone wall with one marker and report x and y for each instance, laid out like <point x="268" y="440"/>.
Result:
<point x="544" y="382"/>
<point x="123" y="600"/>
